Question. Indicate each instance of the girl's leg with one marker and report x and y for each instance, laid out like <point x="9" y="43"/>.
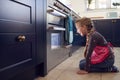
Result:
<point x="82" y="64"/>
<point x="93" y="68"/>
<point x="105" y="66"/>
<point x="82" y="67"/>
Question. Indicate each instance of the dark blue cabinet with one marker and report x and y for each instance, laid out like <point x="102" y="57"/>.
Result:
<point x="17" y="37"/>
<point x="110" y="29"/>
<point x="78" y="40"/>
<point x="116" y="34"/>
<point x="22" y="39"/>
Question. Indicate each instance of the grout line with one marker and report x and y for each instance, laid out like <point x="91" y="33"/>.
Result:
<point x="101" y="76"/>
<point x="62" y="72"/>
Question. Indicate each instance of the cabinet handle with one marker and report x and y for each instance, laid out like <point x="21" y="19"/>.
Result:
<point x="50" y="10"/>
<point x="21" y="38"/>
<point x="114" y="21"/>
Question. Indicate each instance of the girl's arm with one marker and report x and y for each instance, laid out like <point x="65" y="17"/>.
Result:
<point x="91" y="45"/>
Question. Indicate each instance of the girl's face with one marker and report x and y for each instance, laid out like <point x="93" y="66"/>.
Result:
<point x="82" y="30"/>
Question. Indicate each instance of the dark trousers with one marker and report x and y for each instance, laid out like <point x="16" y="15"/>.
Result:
<point x="104" y="66"/>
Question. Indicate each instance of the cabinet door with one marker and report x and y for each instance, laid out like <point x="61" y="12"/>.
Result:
<point x="17" y="36"/>
<point x="116" y="33"/>
<point x="78" y="40"/>
<point x="105" y="27"/>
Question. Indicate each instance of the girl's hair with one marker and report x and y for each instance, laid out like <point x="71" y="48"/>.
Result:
<point x="85" y="21"/>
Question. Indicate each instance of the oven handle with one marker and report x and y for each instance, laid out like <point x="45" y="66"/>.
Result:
<point x="68" y="46"/>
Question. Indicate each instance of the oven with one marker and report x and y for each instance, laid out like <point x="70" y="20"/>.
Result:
<point x="56" y="40"/>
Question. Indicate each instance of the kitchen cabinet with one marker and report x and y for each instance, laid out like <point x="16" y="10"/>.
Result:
<point x="110" y="29"/>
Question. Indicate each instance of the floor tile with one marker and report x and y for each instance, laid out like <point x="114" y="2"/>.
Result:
<point x="67" y="69"/>
<point x="72" y="75"/>
<point x="110" y="76"/>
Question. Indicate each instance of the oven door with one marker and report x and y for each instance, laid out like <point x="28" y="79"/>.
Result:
<point x="56" y="51"/>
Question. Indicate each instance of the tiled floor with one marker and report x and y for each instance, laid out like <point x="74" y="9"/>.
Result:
<point x="67" y="69"/>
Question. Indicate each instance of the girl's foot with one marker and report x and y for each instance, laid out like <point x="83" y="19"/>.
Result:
<point x="114" y="69"/>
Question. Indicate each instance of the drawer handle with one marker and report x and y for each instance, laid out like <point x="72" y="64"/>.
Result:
<point x="21" y="38"/>
<point x="114" y="21"/>
<point x="50" y="10"/>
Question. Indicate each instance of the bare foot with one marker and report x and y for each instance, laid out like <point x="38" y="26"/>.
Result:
<point x="82" y="72"/>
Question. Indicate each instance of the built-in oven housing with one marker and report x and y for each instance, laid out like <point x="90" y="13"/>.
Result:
<point x="56" y="42"/>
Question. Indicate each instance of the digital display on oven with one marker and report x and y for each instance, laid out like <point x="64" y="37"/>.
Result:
<point x="55" y="40"/>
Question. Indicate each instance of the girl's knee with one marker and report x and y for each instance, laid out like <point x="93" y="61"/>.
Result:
<point x="82" y="65"/>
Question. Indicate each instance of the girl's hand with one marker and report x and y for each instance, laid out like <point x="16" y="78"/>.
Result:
<point x="82" y="72"/>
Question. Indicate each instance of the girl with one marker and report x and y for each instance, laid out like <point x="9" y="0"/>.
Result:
<point x="85" y="27"/>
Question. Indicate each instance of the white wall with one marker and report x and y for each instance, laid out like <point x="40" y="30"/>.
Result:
<point x="80" y="8"/>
